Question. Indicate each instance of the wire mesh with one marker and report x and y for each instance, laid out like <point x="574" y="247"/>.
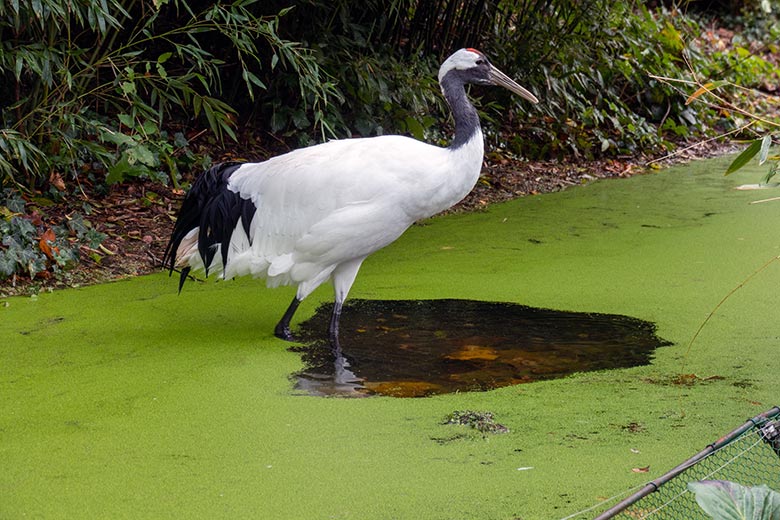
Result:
<point x="749" y="455"/>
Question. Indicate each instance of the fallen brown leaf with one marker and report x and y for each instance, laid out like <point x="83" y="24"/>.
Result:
<point x="55" y="179"/>
<point x="45" y="244"/>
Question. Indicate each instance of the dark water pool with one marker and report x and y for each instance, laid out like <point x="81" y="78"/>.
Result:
<point x="411" y="348"/>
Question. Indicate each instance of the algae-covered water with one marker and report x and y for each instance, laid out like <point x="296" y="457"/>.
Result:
<point x="128" y="401"/>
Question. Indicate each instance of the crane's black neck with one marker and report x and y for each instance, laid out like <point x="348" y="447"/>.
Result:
<point x="464" y="113"/>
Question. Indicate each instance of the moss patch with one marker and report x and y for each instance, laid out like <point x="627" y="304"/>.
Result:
<point x="128" y="401"/>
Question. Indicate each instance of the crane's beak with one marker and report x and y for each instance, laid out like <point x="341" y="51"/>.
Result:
<point x="499" y="78"/>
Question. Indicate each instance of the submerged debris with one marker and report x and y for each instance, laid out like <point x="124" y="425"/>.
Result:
<point x="480" y="421"/>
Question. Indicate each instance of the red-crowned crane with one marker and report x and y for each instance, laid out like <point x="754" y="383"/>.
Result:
<point x="316" y="213"/>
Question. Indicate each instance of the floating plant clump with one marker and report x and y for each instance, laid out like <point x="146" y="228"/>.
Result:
<point x="411" y="348"/>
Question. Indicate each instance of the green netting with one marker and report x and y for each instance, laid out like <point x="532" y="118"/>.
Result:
<point x="749" y="455"/>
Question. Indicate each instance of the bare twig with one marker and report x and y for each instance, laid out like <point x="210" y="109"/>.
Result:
<point x="765" y="200"/>
<point x="700" y="143"/>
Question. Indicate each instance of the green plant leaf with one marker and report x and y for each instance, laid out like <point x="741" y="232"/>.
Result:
<point x="724" y="500"/>
<point x="123" y="170"/>
<point x="415" y="128"/>
<point x="118" y="138"/>
<point x="128" y="88"/>
<point x="743" y="158"/>
<point x="141" y="154"/>
<point x="6" y="213"/>
<point x="126" y="120"/>
<point x="150" y="127"/>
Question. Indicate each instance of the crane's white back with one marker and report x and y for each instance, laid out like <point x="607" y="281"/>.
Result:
<point x="345" y="199"/>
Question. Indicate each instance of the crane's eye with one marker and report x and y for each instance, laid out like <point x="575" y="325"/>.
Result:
<point x="480" y="61"/>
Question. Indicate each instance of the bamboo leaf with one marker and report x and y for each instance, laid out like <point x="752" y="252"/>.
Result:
<point x="37" y="9"/>
<point x="22" y="153"/>
<point x="707" y="87"/>
<point x="18" y="67"/>
<point x="229" y="131"/>
<point x="213" y="125"/>
<point x="743" y="158"/>
<point x="197" y="102"/>
<point x="766" y="143"/>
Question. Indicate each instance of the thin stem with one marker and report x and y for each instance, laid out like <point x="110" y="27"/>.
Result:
<point x="700" y="143"/>
<point x="724" y="103"/>
<point x="709" y="317"/>
<point x="719" y="305"/>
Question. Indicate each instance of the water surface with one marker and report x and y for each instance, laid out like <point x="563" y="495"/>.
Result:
<point x="412" y="348"/>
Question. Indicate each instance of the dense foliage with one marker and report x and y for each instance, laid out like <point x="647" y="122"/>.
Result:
<point x="110" y="89"/>
<point x="594" y="64"/>
<point x="100" y="91"/>
<point x="31" y="247"/>
<point x="100" y="86"/>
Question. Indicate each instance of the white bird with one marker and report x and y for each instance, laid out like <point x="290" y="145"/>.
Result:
<point x="316" y="213"/>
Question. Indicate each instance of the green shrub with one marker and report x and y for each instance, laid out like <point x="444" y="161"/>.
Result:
<point x="103" y="82"/>
<point x="100" y="81"/>
<point x="592" y="64"/>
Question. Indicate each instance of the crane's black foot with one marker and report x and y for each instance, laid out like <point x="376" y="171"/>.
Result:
<point x="283" y="332"/>
<point x="282" y="329"/>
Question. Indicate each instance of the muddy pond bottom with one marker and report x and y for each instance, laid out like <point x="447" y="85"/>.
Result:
<point x="418" y="348"/>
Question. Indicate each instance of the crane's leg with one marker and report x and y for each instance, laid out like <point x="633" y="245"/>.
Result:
<point x="343" y="277"/>
<point x="282" y="329"/>
<point x="333" y="329"/>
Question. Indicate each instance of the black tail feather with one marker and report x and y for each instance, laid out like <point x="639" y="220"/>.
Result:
<point x="183" y="277"/>
<point x="213" y="208"/>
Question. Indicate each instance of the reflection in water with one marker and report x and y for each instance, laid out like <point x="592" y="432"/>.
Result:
<point x="411" y="348"/>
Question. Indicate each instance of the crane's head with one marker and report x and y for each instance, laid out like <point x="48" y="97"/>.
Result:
<point x="472" y="66"/>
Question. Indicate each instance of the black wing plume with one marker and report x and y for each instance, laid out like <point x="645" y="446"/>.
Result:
<point x="212" y="207"/>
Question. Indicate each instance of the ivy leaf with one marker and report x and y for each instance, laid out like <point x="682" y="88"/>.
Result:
<point x="118" y="138"/>
<point x="7" y="265"/>
<point x="141" y="154"/>
<point x="15" y="204"/>
<point x="122" y="170"/>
